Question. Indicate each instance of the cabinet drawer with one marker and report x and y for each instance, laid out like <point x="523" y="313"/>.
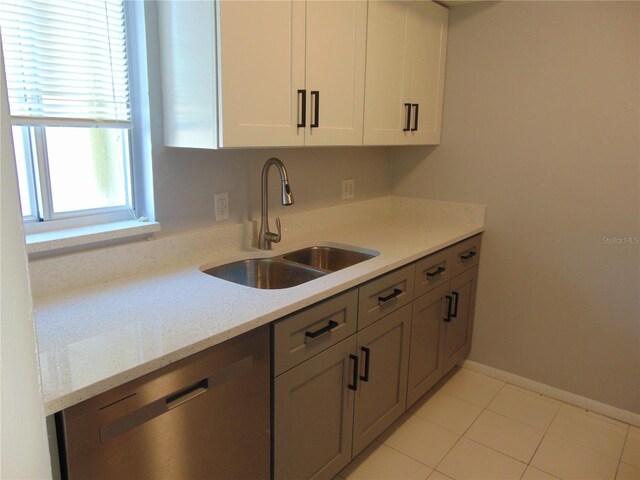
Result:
<point x="465" y="254"/>
<point x="384" y="295"/>
<point x="309" y="332"/>
<point x="432" y="271"/>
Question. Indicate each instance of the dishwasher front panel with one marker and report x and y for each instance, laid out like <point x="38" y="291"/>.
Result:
<point x="204" y="417"/>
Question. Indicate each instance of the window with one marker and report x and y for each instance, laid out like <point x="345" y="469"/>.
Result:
<point x="68" y="84"/>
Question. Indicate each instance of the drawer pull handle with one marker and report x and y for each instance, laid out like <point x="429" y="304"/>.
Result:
<point x="391" y="296"/>
<point x="467" y="256"/>
<point x="367" y="354"/>
<point x="455" y="305"/>
<point x="436" y="272"/>
<point x="449" y="303"/>
<point x="327" y="328"/>
<point x="354" y="381"/>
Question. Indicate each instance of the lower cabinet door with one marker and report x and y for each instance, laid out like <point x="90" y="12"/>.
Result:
<point x="313" y="415"/>
<point x="458" y="330"/>
<point x="427" y="343"/>
<point x="383" y="349"/>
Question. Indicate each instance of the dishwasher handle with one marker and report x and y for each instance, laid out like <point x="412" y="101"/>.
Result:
<point x="177" y="399"/>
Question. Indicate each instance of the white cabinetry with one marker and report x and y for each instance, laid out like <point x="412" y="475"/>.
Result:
<point x="262" y="73"/>
<point x="406" y="52"/>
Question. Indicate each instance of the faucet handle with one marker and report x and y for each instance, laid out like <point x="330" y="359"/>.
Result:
<point x="278" y="235"/>
<point x="274" y="237"/>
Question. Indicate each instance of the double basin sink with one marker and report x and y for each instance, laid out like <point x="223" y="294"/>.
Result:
<point x="289" y="269"/>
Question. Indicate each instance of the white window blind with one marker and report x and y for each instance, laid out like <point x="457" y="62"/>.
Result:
<point x="66" y="62"/>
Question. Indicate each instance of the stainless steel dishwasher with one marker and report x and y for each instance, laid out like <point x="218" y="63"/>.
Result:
<point x="204" y="417"/>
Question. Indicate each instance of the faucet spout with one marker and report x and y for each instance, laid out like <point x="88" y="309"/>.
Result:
<point x="266" y="237"/>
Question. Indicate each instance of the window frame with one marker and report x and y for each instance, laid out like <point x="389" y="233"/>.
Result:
<point x="40" y="194"/>
<point x="43" y="218"/>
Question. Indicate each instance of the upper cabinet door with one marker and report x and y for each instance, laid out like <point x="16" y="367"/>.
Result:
<point x="261" y="68"/>
<point x="188" y="70"/>
<point x="406" y="52"/>
<point x="425" y="55"/>
<point x="335" y="67"/>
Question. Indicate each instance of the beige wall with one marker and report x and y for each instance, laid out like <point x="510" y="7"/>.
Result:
<point x="542" y="124"/>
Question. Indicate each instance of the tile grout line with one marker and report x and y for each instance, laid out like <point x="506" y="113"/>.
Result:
<point x="470" y="425"/>
<point x="527" y="464"/>
<point x="546" y="430"/>
<point x="624" y="446"/>
<point x="587" y="447"/>
<point x="420" y="461"/>
<point x="544" y="436"/>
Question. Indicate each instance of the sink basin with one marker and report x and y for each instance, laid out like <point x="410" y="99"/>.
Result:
<point x="290" y="269"/>
<point x="330" y="259"/>
<point x="267" y="273"/>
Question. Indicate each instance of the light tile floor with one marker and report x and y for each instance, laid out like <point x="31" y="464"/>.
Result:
<point x="475" y="427"/>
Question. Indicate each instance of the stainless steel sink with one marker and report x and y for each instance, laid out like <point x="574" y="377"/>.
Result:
<point x="330" y="259"/>
<point x="290" y="269"/>
<point x="267" y="273"/>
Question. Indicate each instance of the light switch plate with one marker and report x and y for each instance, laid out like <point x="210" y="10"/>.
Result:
<point x="221" y="201"/>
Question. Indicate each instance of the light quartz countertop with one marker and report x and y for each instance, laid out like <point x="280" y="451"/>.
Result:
<point x="111" y="315"/>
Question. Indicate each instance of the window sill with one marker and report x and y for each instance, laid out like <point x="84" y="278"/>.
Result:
<point x="73" y="237"/>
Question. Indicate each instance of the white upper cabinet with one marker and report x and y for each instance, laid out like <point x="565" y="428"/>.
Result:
<point x="188" y="71"/>
<point x="406" y="52"/>
<point x="335" y="65"/>
<point x="263" y="73"/>
<point x="261" y="67"/>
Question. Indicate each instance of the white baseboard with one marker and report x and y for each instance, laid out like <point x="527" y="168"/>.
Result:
<point x="558" y="394"/>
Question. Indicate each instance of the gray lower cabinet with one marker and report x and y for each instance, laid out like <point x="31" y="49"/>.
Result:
<point x="382" y="390"/>
<point x="330" y="407"/>
<point x="442" y="319"/>
<point x="427" y="343"/>
<point x="458" y="328"/>
<point x="313" y="415"/>
<point x="337" y="385"/>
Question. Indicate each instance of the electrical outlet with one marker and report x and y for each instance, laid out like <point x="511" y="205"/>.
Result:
<point x="221" y="201"/>
<point x="348" y="188"/>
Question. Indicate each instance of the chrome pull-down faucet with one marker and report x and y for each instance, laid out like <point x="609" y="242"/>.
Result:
<point x="266" y="237"/>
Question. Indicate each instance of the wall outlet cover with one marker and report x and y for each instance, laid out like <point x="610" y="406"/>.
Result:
<point x="348" y="188"/>
<point x="221" y="201"/>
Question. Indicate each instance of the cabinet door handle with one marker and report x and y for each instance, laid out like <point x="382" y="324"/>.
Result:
<point x="391" y="296"/>
<point x="437" y="272"/>
<point x="315" y="95"/>
<point x="455" y="305"/>
<point x="415" y="117"/>
<point x="449" y="303"/>
<point x="303" y="103"/>
<point x="407" y="125"/>
<point x="327" y="328"/>
<point x="468" y="255"/>
<point x="367" y="354"/>
<point x="354" y="380"/>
